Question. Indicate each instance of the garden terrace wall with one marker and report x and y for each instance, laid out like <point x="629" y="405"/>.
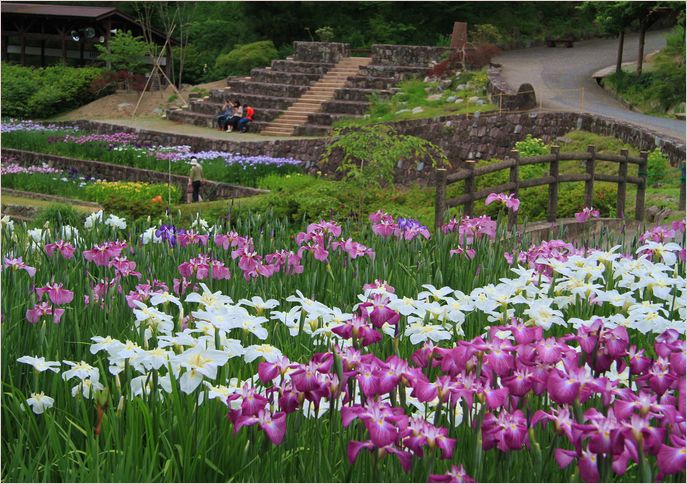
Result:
<point x="114" y="172"/>
<point x="462" y="137"/>
<point x="328" y="52"/>
<point x="307" y="150"/>
<point x="407" y="55"/>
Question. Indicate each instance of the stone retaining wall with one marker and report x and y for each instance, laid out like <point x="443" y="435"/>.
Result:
<point x="328" y="52"/>
<point x="462" y="137"/>
<point x="406" y="55"/>
<point x="114" y="172"/>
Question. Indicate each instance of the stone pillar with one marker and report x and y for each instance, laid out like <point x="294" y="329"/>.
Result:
<point x="459" y="37"/>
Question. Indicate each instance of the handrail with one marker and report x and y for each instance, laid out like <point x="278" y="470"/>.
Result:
<point x="552" y="180"/>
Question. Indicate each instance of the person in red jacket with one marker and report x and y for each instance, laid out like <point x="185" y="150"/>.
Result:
<point x="243" y="123"/>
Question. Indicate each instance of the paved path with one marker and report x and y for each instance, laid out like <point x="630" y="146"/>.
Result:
<point x="557" y="75"/>
<point x="166" y="126"/>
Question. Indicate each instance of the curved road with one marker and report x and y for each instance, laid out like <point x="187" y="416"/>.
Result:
<point x="557" y="75"/>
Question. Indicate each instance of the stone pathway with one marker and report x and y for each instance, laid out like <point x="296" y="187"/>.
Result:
<point x="166" y="126"/>
<point x="558" y="74"/>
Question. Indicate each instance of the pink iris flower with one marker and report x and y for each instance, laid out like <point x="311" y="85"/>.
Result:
<point x="64" y="248"/>
<point x="34" y="314"/>
<point x="508" y="200"/>
<point x="17" y="264"/>
<point x="403" y="456"/>
<point x="506" y="432"/>
<point x="586" y="214"/>
<point x="274" y="425"/>
<point x="467" y="252"/>
<point x="101" y="254"/>
<point x="456" y="474"/>
<point x="421" y="433"/>
<point x="357" y="328"/>
<point x="56" y="293"/>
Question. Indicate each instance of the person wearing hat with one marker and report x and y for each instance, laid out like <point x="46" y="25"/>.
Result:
<point x="196" y="178"/>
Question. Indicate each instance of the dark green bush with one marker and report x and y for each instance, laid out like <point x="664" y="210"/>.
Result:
<point x="245" y="57"/>
<point x="58" y="214"/>
<point x="657" y="167"/>
<point x="29" y="92"/>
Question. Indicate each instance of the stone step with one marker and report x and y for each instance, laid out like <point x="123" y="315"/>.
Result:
<point x="286" y="65"/>
<point x="266" y="88"/>
<point x="345" y="107"/>
<point x="255" y="100"/>
<point x="371" y="82"/>
<point x="283" y="77"/>
<point x="327" y="119"/>
<point x="277" y="132"/>
<point x="312" y="130"/>
<point x="353" y="94"/>
<point x="205" y="120"/>
<point x="206" y="107"/>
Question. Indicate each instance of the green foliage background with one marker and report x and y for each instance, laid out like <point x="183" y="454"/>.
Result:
<point x="29" y="92"/>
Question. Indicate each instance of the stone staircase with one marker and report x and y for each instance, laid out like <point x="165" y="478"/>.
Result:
<point x="311" y="101"/>
<point x="270" y="91"/>
<point x="320" y="85"/>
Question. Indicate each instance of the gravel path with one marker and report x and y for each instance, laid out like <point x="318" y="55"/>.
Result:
<point x="557" y="75"/>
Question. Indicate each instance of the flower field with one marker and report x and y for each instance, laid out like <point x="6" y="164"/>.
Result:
<point x="125" y="149"/>
<point x="264" y="351"/>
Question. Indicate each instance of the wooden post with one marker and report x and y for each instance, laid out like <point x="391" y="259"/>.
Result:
<point x="514" y="178"/>
<point x="82" y="46"/>
<point x="553" y="186"/>
<point x="590" y="166"/>
<point x="5" y="42"/>
<point x="64" y="46"/>
<point x="42" y="53"/>
<point x="23" y="49"/>
<point x="470" y="186"/>
<point x="682" y="186"/>
<point x="622" y="186"/>
<point x="440" y="200"/>
<point x="641" y="188"/>
<point x="108" y="35"/>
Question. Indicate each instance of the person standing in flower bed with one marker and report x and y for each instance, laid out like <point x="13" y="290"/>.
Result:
<point x="196" y="178"/>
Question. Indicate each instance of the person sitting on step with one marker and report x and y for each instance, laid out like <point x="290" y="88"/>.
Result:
<point x="233" y="122"/>
<point x="245" y="121"/>
<point x="224" y="115"/>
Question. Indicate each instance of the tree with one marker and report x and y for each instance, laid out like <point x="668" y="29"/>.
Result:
<point x="616" y="17"/>
<point x="125" y="53"/>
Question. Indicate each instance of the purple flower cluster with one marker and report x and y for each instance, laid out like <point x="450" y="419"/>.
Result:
<point x="384" y="225"/>
<point x="27" y="125"/>
<point x="184" y="153"/>
<point x="13" y="169"/>
<point x="113" y="138"/>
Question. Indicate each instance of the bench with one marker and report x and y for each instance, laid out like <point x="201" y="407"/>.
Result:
<point x="552" y="42"/>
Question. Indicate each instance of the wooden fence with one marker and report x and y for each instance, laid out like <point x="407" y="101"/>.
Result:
<point x="514" y="162"/>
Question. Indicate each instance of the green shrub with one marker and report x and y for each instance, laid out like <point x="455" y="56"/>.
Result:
<point x="325" y="34"/>
<point x="245" y="57"/>
<point x="29" y="92"/>
<point x="369" y="154"/>
<point x="197" y="64"/>
<point x="531" y="146"/>
<point x="132" y="199"/>
<point x="657" y="167"/>
<point x="58" y="214"/>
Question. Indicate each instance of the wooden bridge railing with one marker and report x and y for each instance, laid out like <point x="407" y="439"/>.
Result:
<point x="554" y="178"/>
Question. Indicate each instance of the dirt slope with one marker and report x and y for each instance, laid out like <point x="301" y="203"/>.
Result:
<point x="122" y="104"/>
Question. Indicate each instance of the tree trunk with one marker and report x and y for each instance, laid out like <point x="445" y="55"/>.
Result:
<point x="640" y="54"/>
<point x="619" y="61"/>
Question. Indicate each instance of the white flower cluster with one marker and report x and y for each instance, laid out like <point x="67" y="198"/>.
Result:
<point x="639" y="294"/>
